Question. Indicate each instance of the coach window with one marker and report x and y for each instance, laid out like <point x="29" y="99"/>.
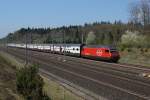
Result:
<point x="77" y="49"/>
<point x="73" y="49"/>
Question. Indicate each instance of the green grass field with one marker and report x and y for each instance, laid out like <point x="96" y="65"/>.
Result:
<point x="7" y="81"/>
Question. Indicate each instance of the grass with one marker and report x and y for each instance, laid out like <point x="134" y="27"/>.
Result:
<point x="136" y="56"/>
<point x="12" y="60"/>
<point x="58" y="92"/>
<point x="7" y="81"/>
<point x="53" y="89"/>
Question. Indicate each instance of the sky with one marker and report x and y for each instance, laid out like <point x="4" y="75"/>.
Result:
<point x="16" y="14"/>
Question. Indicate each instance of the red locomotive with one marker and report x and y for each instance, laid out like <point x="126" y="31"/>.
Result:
<point x="100" y="52"/>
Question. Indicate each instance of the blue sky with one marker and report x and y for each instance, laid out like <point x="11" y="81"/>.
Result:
<point x="15" y="14"/>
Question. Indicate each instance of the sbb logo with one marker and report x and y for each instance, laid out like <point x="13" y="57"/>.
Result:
<point x="99" y="52"/>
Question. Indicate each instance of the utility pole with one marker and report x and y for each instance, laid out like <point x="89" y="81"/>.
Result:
<point x="52" y="44"/>
<point x="26" y="51"/>
<point x="30" y="42"/>
<point x="64" y="41"/>
<point x="6" y="44"/>
<point x="82" y="39"/>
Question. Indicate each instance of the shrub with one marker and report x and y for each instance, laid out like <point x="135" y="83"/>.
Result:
<point x="134" y="39"/>
<point x="146" y="49"/>
<point x="30" y="84"/>
<point x="121" y="47"/>
<point x="142" y="50"/>
<point x="129" y="49"/>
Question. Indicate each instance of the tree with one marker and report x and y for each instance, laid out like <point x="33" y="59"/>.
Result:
<point x="140" y="12"/>
<point x="30" y="84"/>
<point x="145" y="10"/>
<point x="90" y="38"/>
<point x="134" y="39"/>
<point x="48" y="39"/>
<point x="135" y="14"/>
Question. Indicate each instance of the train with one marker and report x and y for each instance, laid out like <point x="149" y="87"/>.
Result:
<point x="97" y="52"/>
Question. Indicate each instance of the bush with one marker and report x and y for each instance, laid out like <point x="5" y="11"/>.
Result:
<point x="142" y="50"/>
<point x="129" y="50"/>
<point x="30" y="84"/>
<point x="134" y="39"/>
<point x="121" y="47"/>
<point x="146" y="49"/>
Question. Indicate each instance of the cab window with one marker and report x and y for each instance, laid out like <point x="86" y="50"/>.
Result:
<point x="107" y="51"/>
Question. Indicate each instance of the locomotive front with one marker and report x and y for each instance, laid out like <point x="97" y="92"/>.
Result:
<point x="114" y="55"/>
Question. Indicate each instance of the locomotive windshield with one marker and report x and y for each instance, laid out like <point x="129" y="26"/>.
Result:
<point x="113" y="50"/>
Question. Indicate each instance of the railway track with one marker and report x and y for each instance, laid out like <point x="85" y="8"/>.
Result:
<point x="128" y="67"/>
<point x="98" y="80"/>
<point x="133" y="72"/>
<point x="136" y="68"/>
<point x="105" y="69"/>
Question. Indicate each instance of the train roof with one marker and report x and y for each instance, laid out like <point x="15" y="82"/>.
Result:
<point x="47" y="44"/>
<point x="100" y="46"/>
<point x="69" y="44"/>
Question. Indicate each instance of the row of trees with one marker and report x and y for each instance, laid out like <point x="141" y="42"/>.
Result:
<point x="105" y="33"/>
